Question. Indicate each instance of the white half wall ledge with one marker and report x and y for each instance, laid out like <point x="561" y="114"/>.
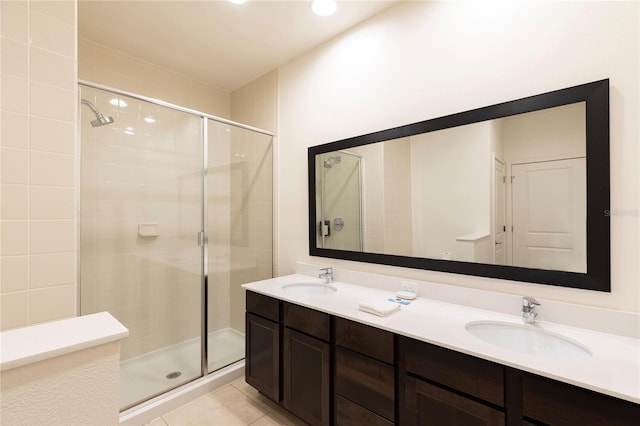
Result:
<point x="27" y="345"/>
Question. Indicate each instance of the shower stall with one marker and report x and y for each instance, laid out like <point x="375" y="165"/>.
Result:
<point x="339" y="200"/>
<point x="176" y="214"/>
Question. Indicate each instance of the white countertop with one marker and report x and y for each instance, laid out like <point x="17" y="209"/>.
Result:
<point x="613" y="368"/>
<point x="27" y="345"/>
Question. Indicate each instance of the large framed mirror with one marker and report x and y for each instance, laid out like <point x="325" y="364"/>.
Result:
<point x="516" y="191"/>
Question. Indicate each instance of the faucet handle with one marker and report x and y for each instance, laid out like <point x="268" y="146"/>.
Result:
<point x="529" y="302"/>
<point x="327" y="274"/>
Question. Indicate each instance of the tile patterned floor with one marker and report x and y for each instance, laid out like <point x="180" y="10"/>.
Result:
<point x="235" y="404"/>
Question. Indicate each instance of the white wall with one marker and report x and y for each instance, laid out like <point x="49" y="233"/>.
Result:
<point x="450" y="192"/>
<point x="545" y="135"/>
<point x="422" y="60"/>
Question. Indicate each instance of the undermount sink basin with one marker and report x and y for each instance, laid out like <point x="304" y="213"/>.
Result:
<point x="309" y="289"/>
<point x="527" y="339"/>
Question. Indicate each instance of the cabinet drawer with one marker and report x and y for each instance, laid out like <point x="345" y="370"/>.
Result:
<point x="366" y="381"/>
<point x="477" y="377"/>
<point x="557" y="403"/>
<point x="265" y="306"/>
<point x="307" y="320"/>
<point x="427" y="404"/>
<point x="365" y="339"/>
<point x="349" y="413"/>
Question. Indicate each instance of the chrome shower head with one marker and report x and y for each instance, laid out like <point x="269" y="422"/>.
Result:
<point x="100" y="120"/>
<point x="331" y="161"/>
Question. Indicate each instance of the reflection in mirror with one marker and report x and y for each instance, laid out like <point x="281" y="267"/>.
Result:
<point x="517" y="191"/>
<point x="338" y="200"/>
<point x="510" y="191"/>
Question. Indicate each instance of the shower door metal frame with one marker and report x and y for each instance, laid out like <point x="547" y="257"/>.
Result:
<point x="203" y="236"/>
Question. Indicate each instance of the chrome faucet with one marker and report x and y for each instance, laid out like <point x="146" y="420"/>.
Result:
<point x="529" y="313"/>
<point x="327" y="274"/>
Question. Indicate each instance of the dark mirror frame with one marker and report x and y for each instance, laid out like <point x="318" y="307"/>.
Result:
<point x="598" y="275"/>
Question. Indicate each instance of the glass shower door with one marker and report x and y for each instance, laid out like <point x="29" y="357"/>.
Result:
<point x="239" y="182"/>
<point x="340" y="225"/>
<point x="141" y="211"/>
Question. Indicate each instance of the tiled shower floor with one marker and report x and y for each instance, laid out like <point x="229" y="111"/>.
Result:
<point x="235" y="404"/>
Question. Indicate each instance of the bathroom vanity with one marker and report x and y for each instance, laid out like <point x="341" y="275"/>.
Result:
<point x="328" y="363"/>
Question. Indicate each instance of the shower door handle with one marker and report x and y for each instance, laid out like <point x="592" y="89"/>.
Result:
<point x="201" y="239"/>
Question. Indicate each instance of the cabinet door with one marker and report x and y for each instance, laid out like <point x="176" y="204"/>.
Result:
<point x="427" y="404"/>
<point x="262" y="364"/>
<point x="556" y="403"/>
<point x="306" y="377"/>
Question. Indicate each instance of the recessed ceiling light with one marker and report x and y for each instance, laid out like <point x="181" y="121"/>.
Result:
<point x="149" y="119"/>
<point x="323" y="7"/>
<point x="129" y="131"/>
<point x="238" y="1"/>
<point x="118" y="102"/>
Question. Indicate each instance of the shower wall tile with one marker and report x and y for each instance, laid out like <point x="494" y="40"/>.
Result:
<point x="52" y="236"/>
<point x="51" y="303"/>
<point x="14" y="131"/>
<point x="62" y="10"/>
<point x="52" y="269"/>
<point x="15" y="55"/>
<point x="256" y="103"/>
<point x="15" y="165"/>
<point x="52" y="169"/>
<point x="52" y="135"/>
<point x="14" y="309"/>
<point x="52" y="102"/>
<point x="51" y="68"/>
<point x="51" y="34"/>
<point x="86" y="60"/>
<point x="15" y="237"/>
<point x="14" y="96"/>
<point x="38" y="113"/>
<point x="52" y="202"/>
<point x="137" y="70"/>
<point x="15" y="274"/>
<point x="15" y="201"/>
<point x="14" y="23"/>
<point x="114" y="68"/>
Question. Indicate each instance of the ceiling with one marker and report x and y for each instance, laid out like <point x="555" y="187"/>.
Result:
<point x="223" y="44"/>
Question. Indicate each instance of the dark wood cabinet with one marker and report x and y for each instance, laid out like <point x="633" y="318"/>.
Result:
<point x="364" y="373"/>
<point x="262" y="369"/>
<point x="366" y="381"/>
<point x="472" y="376"/>
<point x="332" y="371"/>
<point x="349" y="413"/>
<point x="444" y="387"/>
<point x="262" y="344"/>
<point x="306" y="377"/>
<point x="427" y="404"/>
<point x="306" y="363"/>
<point x="546" y="401"/>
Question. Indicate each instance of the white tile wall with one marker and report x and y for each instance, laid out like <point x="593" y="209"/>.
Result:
<point x="100" y="64"/>
<point x="38" y="139"/>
